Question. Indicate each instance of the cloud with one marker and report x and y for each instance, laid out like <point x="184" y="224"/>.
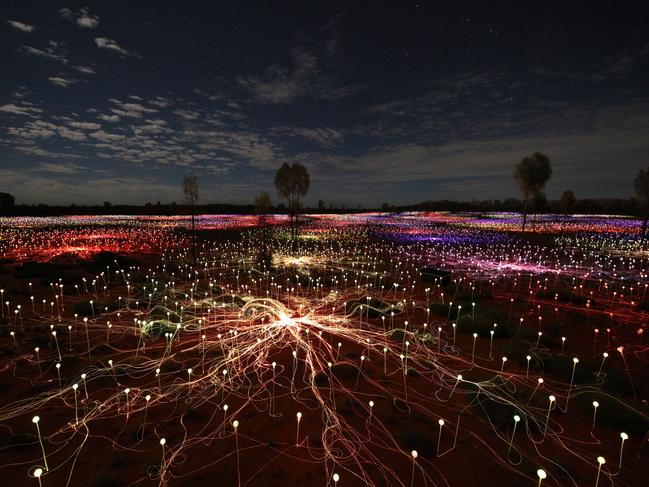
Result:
<point x="305" y="78"/>
<point x="65" y="168"/>
<point x="69" y="134"/>
<point x="21" y="26"/>
<point x="62" y="82"/>
<point x="84" y="69"/>
<point x="152" y="127"/>
<point x="66" y="13"/>
<point x="23" y="109"/>
<point x="327" y="137"/>
<point x="85" y="125"/>
<point x="106" y="136"/>
<point x="105" y="43"/>
<point x="61" y="185"/>
<point x="32" y="149"/>
<point x="87" y="20"/>
<point x="130" y="109"/>
<point x="611" y="141"/>
<point x="110" y="118"/>
<point x="83" y="18"/>
<point x="47" y="52"/>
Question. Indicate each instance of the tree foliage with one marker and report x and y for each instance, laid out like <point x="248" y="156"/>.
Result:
<point x="531" y="174"/>
<point x="291" y="182"/>
<point x="7" y="202"/>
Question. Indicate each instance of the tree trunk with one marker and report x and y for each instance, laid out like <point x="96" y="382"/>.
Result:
<point x="524" y="214"/>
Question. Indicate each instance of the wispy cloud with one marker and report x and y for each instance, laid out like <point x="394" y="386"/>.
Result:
<point x="51" y="52"/>
<point x="59" y="168"/>
<point x="304" y="78"/>
<point x="62" y="82"/>
<point x="21" y="26"/>
<point x="110" y="118"/>
<point x="84" y="69"/>
<point x="22" y="109"/>
<point x="82" y="17"/>
<point x="85" y="125"/>
<point x="327" y="137"/>
<point x="105" y="43"/>
<point x="87" y="20"/>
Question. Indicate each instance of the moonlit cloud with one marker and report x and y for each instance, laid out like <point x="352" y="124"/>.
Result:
<point x="23" y="109"/>
<point x="62" y="82"/>
<point x="84" y="69"/>
<point x="83" y="18"/>
<point x="105" y="43"/>
<point x="21" y="26"/>
<point x="87" y="20"/>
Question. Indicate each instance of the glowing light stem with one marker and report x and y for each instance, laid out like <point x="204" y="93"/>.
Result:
<point x="163" y="464"/>
<point x="36" y="420"/>
<point x="58" y="350"/>
<point x="547" y="417"/>
<point x="601" y="365"/>
<point x="235" y="424"/>
<point x="595" y="406"/>
<point x="297" y="432"/>
<point x="624" y="437"/>
<point x="76" y="414"/>
<point x="475" y="336"/>
<point x="146" y="408"/>
<point x="517" y="418"/>
<point x="414" y="462"/>
<point x="575" y="361"/>
<point x="600" y="462"/>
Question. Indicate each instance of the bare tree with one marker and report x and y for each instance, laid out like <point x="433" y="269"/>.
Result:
<point x="190" y="189"/>
<point x="291" y="182"/>
<point x="531" y="174"/>
<point x="641" y="188"/>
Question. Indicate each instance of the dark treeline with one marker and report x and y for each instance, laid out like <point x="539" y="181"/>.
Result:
<point x="609" y="206"/>
<point x="586" y="206"/>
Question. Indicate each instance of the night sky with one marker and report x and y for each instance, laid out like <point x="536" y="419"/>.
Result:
<point x="382" y="101"/>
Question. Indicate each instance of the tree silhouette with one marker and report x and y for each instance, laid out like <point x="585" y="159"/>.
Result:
<point x="190" y="189"/>
<point x="641" y="188"/>
<point x="321" y="205"/>
<point x="262" y="202"/>
<point x="531" y="174"/>
<point x="567" y="202"/>
<point x="291" y="182"/>
<point x="7" y="202"/>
